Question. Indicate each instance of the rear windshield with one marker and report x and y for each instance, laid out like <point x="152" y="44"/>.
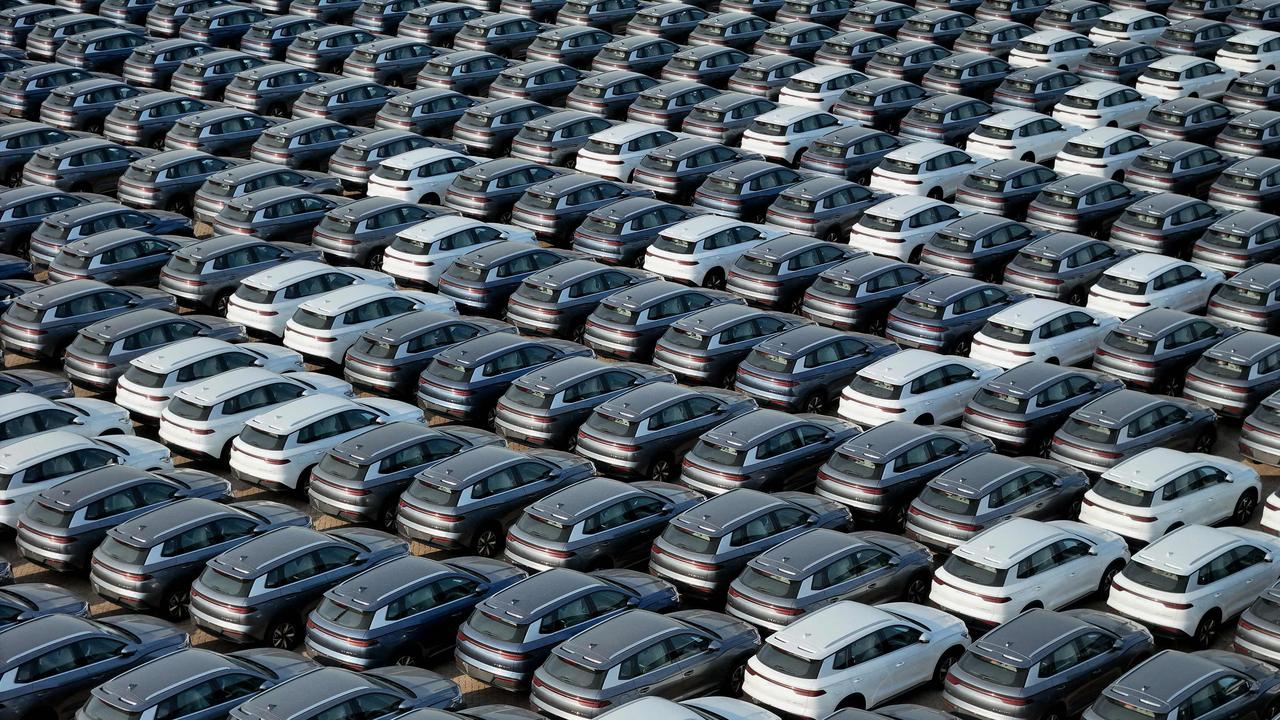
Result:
<point x="788" y="664"/>
<point x="261" y="439"/>
<point x="993" y="671"/>
<point x="1036" y="262"/>
<point x="23" y="313"/>
<point x="1007" y="333"/>
<point x="769" y="361"/>
<point x="921" y="309"/>
<point x="771" y="585"/>
<point x="1223" y="368"/>
<point x="1266" y="609"/>
<point x="433" y="494"/>
<point x="573" y="674"/>
<point x="1130" y="343"/>
<point x="252" y="294"/>
<point x="975" y="572"/>
<point x="1085" y="151"/>
<point x="530" y="397"/>
<point x="1123" y="494"/>
<point x="341" y="469"/>
<point x="949" y="502"/>
<point x="875" y="388"/>
<point x="1089" y="431"/>
<point x="497" y="628"/>
<point x="312" y="320"/>
<point x="690" y="540"/>
<point x="686" y="338"/>
<point x="855" y="466"/>
<point x="612" y="425"/>
<point x="47" y="516"/>
<point x="675" y="245"/>
<point x="545" y="529"/>
<point x="449" y="371"/>
<point x="125" y="553"/>
<point x="96" y="709"/>
<point x="1155" y="578"/>
<point x="1124" y="286"/>
<point x="344" y="616"/>
<point x="188" y="410"/>
<point x="720" y="454"/>
<point x="1000" y="401"/>
<point x="760" y="266"/>
<point x="1243" y="296"/>
<point x="1109" y="708"/>
<point x="225" y="584"/>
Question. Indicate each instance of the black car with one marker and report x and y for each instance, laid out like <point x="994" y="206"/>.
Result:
<point x="276" y="214"/>
<point x="144" y="120"/>
<point x="644" y="54"/>
<point x="1019" y="11"/>
<point x="465" y="71"/>
<point x="940" y="27"/>
<point x="437" y="23"/>
<point x="943" y="314"/>
<point x="611" y="15"/>
<point x="488" y="191"/>
<point x="1195" y="120"/>
<point x="270" y="89"/>
<point x="488" y="128"/>
<point x="1004" y="187"/>
<point x="427" y="111"/>
<point x="326" y="48"/>
<point x="358" y="157"/>
<point x="676" y="170"/>
<point x="358" y="232"/>
<point x="1037" y="89"/>
<point x="907" y="60"/>
<point x="972" y="74"/>
<point x="1248" y="300"/>
<point x="945" y="118"/>
<point x="20" y="141"/>
<point x="540" y="81"/>
<point x="227" y="132"/>
<point x="1122" y="61"/>
<point x="775" y="273"/>
<point x="609" y="93"/>
<point x="17" y="21"/>
<point x="24" y="208"/>
<point x="388" y="359"/>
<point x="852" y="49"/>
<point x="619" y="233"/>
<point x="1258" y="90"/>
<point x="879" y="103"/>
<point x="725" y="117"/>
<point x="1166" y="224"/>
<point x="1236" y="686"/>
<point x="669" y="103"/>
<point x="84" y="105"/>
<point x="1176" y="166"/>
<point x="1200" y="37"/>
<point x="744" y="190"/>
<point x="669" y="20"/>
<point x="1081" y="203"/>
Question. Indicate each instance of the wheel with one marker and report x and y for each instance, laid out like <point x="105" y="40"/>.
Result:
<point x="278" y="110"/>
<point x="1078" y="297"/>
<point x="1028" y="157"/>
<point x="1077" y="505"/>
<point x="935" y="193"/>
<point x="832" y="235"/>
<point x="387" y="516"/>
<point x="489" y="541"/>
<point x="430" y="199"/>
<point x="1245" y="506"/>
<point x="13" y="178"/>
<point x="714" y="279"/>
<point x="963" y="347"/>
<point x="180" y="205"/>
<point x="410" y="655"/>
<point x="284" y="633"/>
<point x="1207" y="631"/>
<point x="1108" y="575"/>
<point x="1054" y="714"/>
<point x="914" y="257"/>
<point x="917" y="590"/>
<point x="579" y="333"/>
<point x="304" y="481"/>
<point x="733" y="684"/>
<point x="1042" y="445"/>
<point x="1037" y="605"/>
<point x="1053" y="361"/>
<point x="175" y="603"/>
<point x="221" y="302"/>
<point x="375" y="261"/>
<point x="1172" y="385"/>
<point x="663" y="469"/>
<point x="1205" y="442"/>
<point x="852" y="702"/>
<point x="1118" y="176"/>
<point x="815" y="403"/>
<point x="944" y="666"/>
<point x="898" y="520"/>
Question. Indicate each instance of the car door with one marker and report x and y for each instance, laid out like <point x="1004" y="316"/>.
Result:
<point x="1075" y="573"/>
<point x="1248" y="574"/>
<point x="1224" y="697"/>
<point x="1080" y="668"/>
<point x="646" y="672"/>
<point x="690" y="655"/>
<point x="866" y="576"/>
<point x="902" y="660"/>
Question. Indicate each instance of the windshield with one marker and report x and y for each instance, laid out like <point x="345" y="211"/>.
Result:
<point x="187" y="410"/>
<point x="690" y="540"/>
<point x="1243" y="296"/>
<point x="1155" y="578"/>
<point x="261" y="439"/>
<point x="1225" y="369"/>
<point x="993" y="671"/>
<point x="1000" y="401"/>
<point x="225" y="584"/>
<point x="720" y="454"/>
<point x="543" y="528"/>
<point x="788" y="664"/>
<point x="574" y="675"/>
<point x="975" y="572"/>
<point x="870" y="387"/>
<point x="1124" y="286"/>
<point x="312" y="319"/>
<point x="855" y="466"/>
<point x="252" y="294"/>
<point x="771" y="585"/>
<point x="341" y="469"/>
<point x="497" y="628"/>
<point x="611" y="425"/>
<point x="125" y="553"/>
<point x="428" y="492"/>
<point x="949" y="502"/>
<point x="1123" y="494"/>
<point x="1109" y="708"/>
<point x="1089" y="431"/>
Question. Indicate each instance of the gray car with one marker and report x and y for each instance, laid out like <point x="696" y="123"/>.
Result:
<point x="54" y="661"/>
<point x="393" y="62"/>
<point x="642" y="433"/>
<point x="426" y="111"/>
<point x="1234" y="375"/>
<point x="270" y="89"/>
<point x="100" y="353"/>
<point x="225" y="132"/>
<point x="620" y="232"/>
<point x="208" y="75"/>
<point x="28" y="600"/>
<point x="557" y="301"/>
<point x="1045" y="664"/>
<point x="304" y="144"/>
<point x="1098" y="436"/>
<point x="555" y="139"/>
<point x="511" y="633"/>
<point x="205" y="274"/>
<point x="199" y="684"/>
<point x="167" y="180"/>
<point x="547" y="406"/>
<point x="41" y="323"/>
<point x="148" y="562"/>
<point x="1249" y="299"/>
<point x="707" y="346"/>
<point x="61" y="228"/>
<point x="1062" y="266"/>
<point x="403" y="611"/>
<point x="37" y="382"/>
<point x="89" y="164"/>
<point x="256" y="592"/>
<point x="115" y="256"/>
<point x="880" y="472"/>
<point x="1171" y="683"/>
<point x="1022" y="408"/>
<point x="465" y="381"/>
<point x="358" y="232"/>
<point x="806" y="368"/>
<point x="820" y="567"/>
<point x="466" y="500"/>
<point x="1154" y="349"/>
<point x="22" y="209"/>
<point x="1239" y="241"/>
<point x="988" y="489"/>
<point x="143" y="120"/>
<point x="942" y="315"/>
<point x="1258" y="632"/>
<point x="379" y="694"/>
<point x="595" y="524"/>
<point x="361" y="479"/>
<point x="388" y="359"/>
<point x="766" y="450"/>
<point x="776" y="273"/>
<point x="824" y="207"/>
<point x="628" y="323"/>
<point x="63" y="526"/>
<point x="222" y="187"/>
<point x="859" y="293"/>
<point x="359" y="157"/>
<point x="481" y="281"/>
<point x="686" y="654"/>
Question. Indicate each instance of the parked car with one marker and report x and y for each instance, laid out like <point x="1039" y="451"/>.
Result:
<point x="1146" y="280"/>
<point x="336" y="691"/>
<point x="1099" y="435"/>
<point x="41" y="323"/>
<point x="1245" y="300"/>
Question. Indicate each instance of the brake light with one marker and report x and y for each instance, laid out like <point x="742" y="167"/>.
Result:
<point x="1004" y="699"/>
<point x="237" y="609"/>
<point x="56" y="539"/>
<point x="799" y="691"/>
<point x="135" y="577"/>
<point x="985" y="598"/>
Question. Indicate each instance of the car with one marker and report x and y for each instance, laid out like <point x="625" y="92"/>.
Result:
<point x="303" y="144"/>
<point x="1191" y="119"/>
<point x="879" y="473"/>
<point x="224" y="186"/>
<point x="358" y="233"/>
<point x="462" y="71"/>
<point x="23" y="140"/>
<point x="1237" y="242"/>
<point x="574" y="45"/>
<point x="1199" y="37"/>
<point x="482" y="280"/>
<point x="540" y="81"/>
<point x="84" y="105"/>
<point x="621" y="232"/>
<point x="937" y="386"/>
<point x="100" y="352"/>
<point x="17" y="22"/>
<point x="1177" y="166"/>
<point x="878" y="282"/>
<point x="80" y="653"/>
<point x="907" y="60"/>
<point x="1172" y="679"/>
<point x="143" y="120"/>
<point x="1156" y="348"/>
<point x="60" y="229"/>
<point x="269" y="38"/>
<point x="25" y="208"/>
<point x="440" y="591"/>
<point x="706" y="346"/>
<point x="504" y="33"/>
<point x="817" y="87"/>
<point x="1061" y="266"/>
<point x="776" y="272"/>
<point x="1041" y="329"/>
<point x="993" y="37"/>
<point x="208" y="75"/>
<point x="275" y="214"/>
<point x="709" y="64"/>
<point x="882" y="16"/>
<point x="1250" y="51"/>
<point x="1255" y="14"/>
<point x="302" y="565"/>
<point x="466" y="380"/>
<point x="1102" y="103"/>
<point x="266" y="300"/>
<point x="27" y="601"/>
<point x="849" y="152"/>
<point x="1214" y="9"/>
<point x="1238" y="301"/>
<point x="1021" y="409"/>
<point x="326" y="325"/>
<point x="597" y="14"/>
<point x="569" y="199"/>
<point x="1038" y="89"/>
<point x="800" y="39"/>
<point x="428" y="110"/>
<point x="715" y="648"/>
<point x="1003" y="187"/>
<point x="1060" y="48"/>
<point x="1021" y="135"/>
<point x="351" y="100"/>
<point x="667" y="104"/>
<point x="943" y="314"/>
<point x="612" y="152"/>
<point x="1252" y="133"/>
<point x="1251" y="636"/>
<point x="1064" y="660"/>
<point x="123" y="256"/>
<point x="1079" y="203"/>
<point x="438" y="240"/>
<point x="969" y="73"/>
<point x="207" y="273"/>
<point x="1178" y="76"/>
<point x="226" y="132"/>
<point x="977" y="246"/>
<point x="1160" y="490"/>
<point x="1136" y="25"/>
<point x="1204" y="578"/>
<point x="628" y="323"/>
<point x="42" y="322"/>
<point x="379" y="693"/>
<point x="466" y="500"/>
<point x="44" y="41"/>
<point x="152" y="379"/>
<point x="390" y="357"/>
<point x="389" y="62"/>
<point x="899" y="227"/>
<point x="167" y="180"/>
<point x="608" y="93"/>
<point x="61" y="528"/>
<point x="859" y="655"/>
<point x="326" y="48"/>
<point x="1253" y="91"/>
<point x="83" y="165"/>
<point x="852" y="49"/>
<point x="923" y="168"/>
<point x="797" y="126"/>
<point x="677" y="169"/>
<point x="670" y="21"/>
<point x="941" y="26"/>
<point x="1102" y="433"/>
<point x="1234" y="375"/>
<point x="1122" y="61"/>
<point x="1165" y="224"/>
<point x="642" y="53"/>
<point x="221" y="26"/>
<point x="560" y="138"/>
<point x="1245" y="185"/>
<point x="26" y="88"/>
<point x="269" y="88"/>
<point x="36" y="382"/>
<point x="1147" y="280"/>
<point x="489" y="190"/>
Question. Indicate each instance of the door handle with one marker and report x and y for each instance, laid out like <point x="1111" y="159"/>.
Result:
<point x="899" y="664"/>
<point x="687" y="673"/>
<point x="644" y="689"/>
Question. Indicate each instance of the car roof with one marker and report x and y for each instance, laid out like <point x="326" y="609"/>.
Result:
<point x="715" y="318"/>
<point x="579" y="500"/>
<point x="1012" y="119"/>
<point x="643" y="400"/>
<point x="127" y="323"/>
<point x="1029" y="634"/>
<point x="1117" y="408"/>
<point x="250" y="558"/>
<point x="1102" y="136"/>
<point x="748" y="429"/>
<point x="382" y="440"/>
<point x="609" y="642"/>
<point x="886" y="439"/>
<point x="288" y="273"/>
<point x="24" y="451"/>
<point x="533" y="596"/>
<point x="945" y="289"/>
<point x="1150" y="469"/>
<point x="298" y="696"/>
<point x="1186" y="548"/>
<point x="976" y="476"/>
<point x="1143" y="266"/>
<point x="1163" y="678"/>
<point x="718" y="514"/>
<point x="421" y="156"/>
<point x="1010" y="541"/>
<point x="900" y="367"/>
<point x="167" y="520"/>
<point x="919" y="152"/>
<point x="1246" y="348"/>
<point x="818" y="635"/>
<point x="343" y="299"/>
<point x="142" y="687"/>
<point x="1028" y="378"/>
<point x="902" y="207"/>
<point x="1096" y="89"/>
<point x="787" y="114"/>
<point x="798" y="557"/>
<point x="298" y="413"/>
<point x="379" y="584"/>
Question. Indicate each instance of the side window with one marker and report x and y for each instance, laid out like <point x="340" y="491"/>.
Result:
<point x="1216" y="569"/>
<point x="753" y="531"/>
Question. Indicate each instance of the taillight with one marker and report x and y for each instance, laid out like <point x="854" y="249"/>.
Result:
<point x="799" y="691"/>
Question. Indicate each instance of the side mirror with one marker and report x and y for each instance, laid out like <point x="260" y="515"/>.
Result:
<point x="924" y="638"/>
<point x="811" y="520"/>
<point x="1268" y="557"/>
<point x="77" y="421"/>
<point x="714" y="645"/>
<point x="668" y="507"/>
<point x="633" y="602"/>
<point x="128" y="651"/>
<point x="481" y="589"/>
<point x="1093" y="551"/>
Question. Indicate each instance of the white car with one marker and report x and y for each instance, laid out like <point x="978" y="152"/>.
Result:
<point x="899" y="227"/>
<point x="1041" y="330"/>
<point x="914" y="386"/>
<point x="818" y="87"/>
<point x="1161" y="489"/>
<point x="1250" y="51"/>
<point x="1022" y="564"/>
<point x="784" y="133"/>
<point x="1195" y="578"/>
<point x="1141" y="26"/>
<point x="325" y="326"/>
<point x="1102" y="152"/>
<point x="1147" y="280"/>
<point x="924" y="168"/>
<point x="38" y="462"/>
<point x="1103" y="103"/>
<point x="203" y="417"/>
<point x="700" y="250"/>
<point x="1020" y="135"/>
<point x="152" y="379"/>
<point x="419" y="176"/>
<point x="265" y="301"/>
<point x="615" y="152"/>
<point x="714" y="707"/>
<point x="420" y="254"/>
<point x="853" y="655"/>
<point x="1060" y="49"/>
<point x="278" y="448"/>
<point x="24" y="414"/>
<point x="1170" y="78"/>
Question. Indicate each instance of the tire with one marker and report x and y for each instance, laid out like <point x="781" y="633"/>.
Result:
<point x="733" y="683"/>
<point x="1118" y="176"/>
<point x="1245" y="507"/>
<point x="13" y="178"/>
<point x="412" y="655"/>
<point x="944" y="666"/>
<point x="304" y="481"/>
<point x="278" y="110"/>
<point x="1037" y="605"/>
<point x="220" y="303"/>
<point x="815" y="403"/>
<point x="180" y="205"/>
<point x="430" y="199"/>
<point x="917" y="589"/>
<point x="1205" y="442"/>
<point x="914" y="257"/>
<point x="1028" y="157"/>
<point x="387" y="516"/>
<point x="832" y="235"/>
<point x="1172" y="386"/>
<point x="375" y="260"/>
<point x="1042" y="446"/>
<point x="852" y="702"/>
<point x="935" y="194"/>
<point x="489" y="541"/>
<point x="1206" y="631"/>
<point x="663" y="468"/>
<point x="175" y="602"/>
<point x="1104" y="584"/>
<point x="284" y="633"/>
<point x="963" y="347"/>
<point x="714" y="279"/>
<point x="1073" y="511"/>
